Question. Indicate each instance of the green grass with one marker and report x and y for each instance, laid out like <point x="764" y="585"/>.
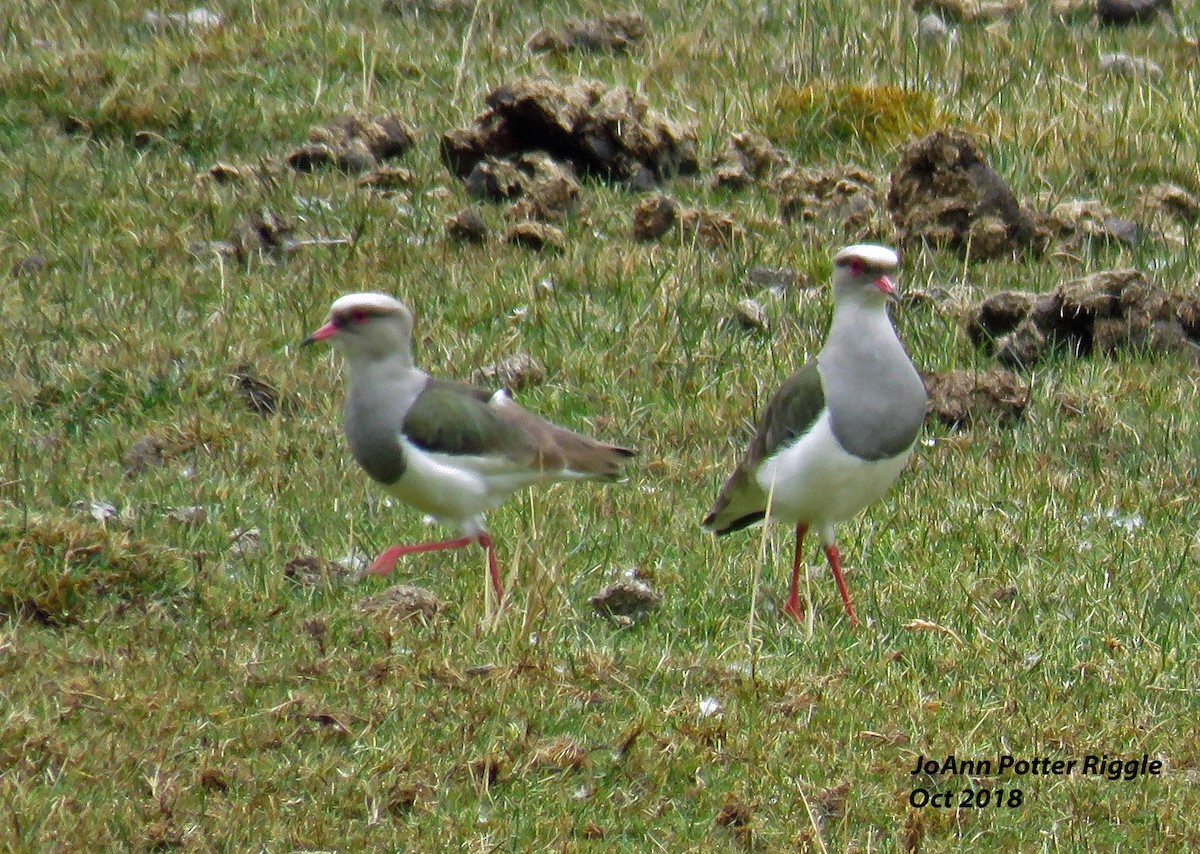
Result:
<point x="158" y="690"/>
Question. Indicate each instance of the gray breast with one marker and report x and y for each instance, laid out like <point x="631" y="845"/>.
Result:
<point x="876" y="399"/>
<point x="373" y="430"/>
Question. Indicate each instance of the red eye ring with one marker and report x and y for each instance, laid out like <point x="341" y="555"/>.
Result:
<point x="358" y="316"/>
<point x="857" y="266"/>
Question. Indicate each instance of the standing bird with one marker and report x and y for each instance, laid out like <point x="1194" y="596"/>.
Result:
<point x="839" y="430"/>
<point x="449" y="449"/>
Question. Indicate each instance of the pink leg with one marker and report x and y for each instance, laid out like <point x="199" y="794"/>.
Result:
<point x="493" y="569"/>
<point x="792" y="608"/>
<point x="386" y="561"/>
<point x="835" y="564"/>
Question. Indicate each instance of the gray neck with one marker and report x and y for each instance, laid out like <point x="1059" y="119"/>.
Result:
<point x="379" y="396"/>
<point x="875" y="396"/>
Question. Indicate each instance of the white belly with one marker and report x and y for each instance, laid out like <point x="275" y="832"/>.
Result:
<point x="815" y="481"/>
<point x="457" y="489"/>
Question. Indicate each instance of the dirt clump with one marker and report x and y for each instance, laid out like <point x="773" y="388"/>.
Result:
<point x="537" y="236"/>
<point x="514" y="372"/>
<point x="748" y="157"/>
<point x="943" y="193"/>
<point x="1087" y="220"/>
<point x="353" y="144"/>
<point x="402" y="602"/>
<point x="616" y="32"/>
<point x="467" y="226"/>
<point x="312" y="571"/>
<point x="626" y="601"/>
<point x="607" y="132"/>
<point x="1104" y="313"/>
<point x="654" y="216"/>
<point x="963" y="397"/>
<point x="845" y="197"/>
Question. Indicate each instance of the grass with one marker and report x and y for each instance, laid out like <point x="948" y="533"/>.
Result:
<point x="164" y="690"/>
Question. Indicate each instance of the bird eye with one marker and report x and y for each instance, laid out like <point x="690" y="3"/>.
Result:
<point x="857" y="266"/>
<point x="358" y="316"/>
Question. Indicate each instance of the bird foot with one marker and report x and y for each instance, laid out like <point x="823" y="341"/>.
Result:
<point x="793" y="610"/>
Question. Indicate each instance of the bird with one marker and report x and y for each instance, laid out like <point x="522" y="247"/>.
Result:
<point x="449" y="449"/>
<point x="839" y="430"/>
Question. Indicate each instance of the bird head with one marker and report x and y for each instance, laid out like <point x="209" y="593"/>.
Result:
<point x="367" y="327"/>
<point x="863" y="272"/>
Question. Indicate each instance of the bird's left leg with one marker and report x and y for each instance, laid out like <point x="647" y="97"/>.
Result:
<point x="792" y="608"/>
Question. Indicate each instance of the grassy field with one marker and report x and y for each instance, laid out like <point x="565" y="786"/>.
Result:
<point x="164" y="685"/>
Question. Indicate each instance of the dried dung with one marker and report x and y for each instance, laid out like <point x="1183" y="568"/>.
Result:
<point x="653" y="217"/>
<point x="312" y="571"/>
<point x="847" y="197"/>
<point x="1087" y="219"/>
<point x="613" y="33"/>
<point x="536" y="236"/>
<point x="608" y="132"/>
<point x="944" y="194"/>
<point x="712" y="228"/>
<point x="746" y="158"/>
<point x="626" y="600"/>
<point x="467" y="226"/>
<point x="146" y="452"/>
<point x="260" y="396"/>
<point x="262" y="232"/>
<point x="353" y="144"/>
<point x="1106" y="312"/>
<point x="514" y="372"/>
<point x="401" y="602"/>
<point x="1120" y="13"/>
<point x="387" y="179"/>
<point x="963" y="397"/>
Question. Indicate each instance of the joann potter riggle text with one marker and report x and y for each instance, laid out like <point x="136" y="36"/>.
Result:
<point x="1102" y="765"/>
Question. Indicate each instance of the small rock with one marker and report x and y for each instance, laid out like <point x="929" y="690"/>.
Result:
<point x="245" y="542"/>
<point x="537" y="236"/>
<point x="777" y="280"/>
<point x="402" y="602"/>
<point x="1124" y="65"/>
<point x="198" y="20"/>
<point x="467" y="226"/>
<point x="627" y="598"/>
<point x="101" y="511"/>
<point x="513" y="372"/>
<point x="750" y="315"/>
<point x="190" y="516"/>
<point x="654" y="217"/>
<point x="932" y="30"/>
